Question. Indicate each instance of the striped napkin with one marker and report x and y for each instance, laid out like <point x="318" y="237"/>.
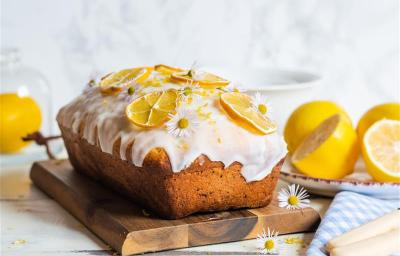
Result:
<point x="347" y="211"/>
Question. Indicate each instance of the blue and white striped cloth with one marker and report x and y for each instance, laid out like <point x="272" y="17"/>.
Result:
<point x="347" y="211"/>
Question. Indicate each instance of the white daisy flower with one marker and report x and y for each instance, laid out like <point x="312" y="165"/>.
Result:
<point x="188" y="95"/>
<point x="293" y="198"/>
<point x="194" y="71"/>
<point x="90" y="85"/>
<point x="190" y="86"/>
<point x="183" y="123"/>
<point x="129" y="91"/>
<point x="268" y="242"/>
<point x="261" y="104"/>
<point x="197" y="73"/>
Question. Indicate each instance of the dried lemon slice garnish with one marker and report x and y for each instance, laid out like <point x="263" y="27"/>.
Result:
<point x="166" y="69"/>
<point x="111" y="84"/>
<point x="240" y="108"/>
<point x="152" y="109"/>
<point x="204" y="79"/>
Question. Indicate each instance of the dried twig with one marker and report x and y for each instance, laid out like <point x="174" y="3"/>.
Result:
<point x="40" y="140"/>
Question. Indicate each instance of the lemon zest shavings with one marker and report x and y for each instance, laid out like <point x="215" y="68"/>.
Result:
<point x="20" y="241"/>
<point x="294" y="240"/>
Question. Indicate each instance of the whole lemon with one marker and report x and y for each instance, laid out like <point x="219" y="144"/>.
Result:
<point x="18" y="117"/>
<point x="306" y="118"/>
<point x="382" y="111"/>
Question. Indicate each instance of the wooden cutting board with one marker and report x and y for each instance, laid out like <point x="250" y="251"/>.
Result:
<point x="129" y="229"/>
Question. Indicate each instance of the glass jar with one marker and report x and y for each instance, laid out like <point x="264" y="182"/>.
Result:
<point x="26" y="104"/>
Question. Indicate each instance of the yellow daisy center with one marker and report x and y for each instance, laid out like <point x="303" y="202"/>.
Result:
<point x="187" y="91"/>
<point x="262" y="108"/>
<point x="183" y="123"/>
<point x="269" y="244"/>
<point x="293" y="200"/>
<point x="131" y="90"/>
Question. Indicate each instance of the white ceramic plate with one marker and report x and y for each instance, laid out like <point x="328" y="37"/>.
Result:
<point x="359" y="182"/>
<point x="284" y="90"/>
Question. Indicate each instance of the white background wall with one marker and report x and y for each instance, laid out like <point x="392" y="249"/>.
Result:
<point x="354" y="44"/>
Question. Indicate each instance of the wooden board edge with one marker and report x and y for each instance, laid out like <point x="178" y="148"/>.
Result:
<point x="207" y="233"/>
<point x="180" y="236"/>
<point x="157" y="239"/>
<point x="309" y="216"/>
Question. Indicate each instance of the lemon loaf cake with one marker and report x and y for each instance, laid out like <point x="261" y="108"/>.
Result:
<point x="176" y="141"/>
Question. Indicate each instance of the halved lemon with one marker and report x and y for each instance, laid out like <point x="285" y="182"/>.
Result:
<point x="330" y="151"/>
<point x="204" y="79"/>
<point x="381" y="150"/>
<point x="111" y="84"/>
<point x="240" y="108"/>
<point x="152" y="109"/>
<point x="306" y="118"/>
<point x="378" y="112"/>
<point x="166" y="69"/>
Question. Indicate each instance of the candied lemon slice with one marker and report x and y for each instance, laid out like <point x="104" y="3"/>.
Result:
<point x="240" y="108"/>
<point x="152" y="109"/>
<point x="204" y="79"/>
<point x="381" y="150"/>
<point x="166" y="69"/>
<point x="111" y="84"/>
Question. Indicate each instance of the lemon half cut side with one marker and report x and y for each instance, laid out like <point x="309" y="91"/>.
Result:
<point x="330" y="151"/>
<point x="381" y="150"/>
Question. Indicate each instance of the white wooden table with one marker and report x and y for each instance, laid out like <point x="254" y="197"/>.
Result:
<point x="33" y="224"/>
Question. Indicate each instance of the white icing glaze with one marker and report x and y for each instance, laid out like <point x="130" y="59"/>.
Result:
<point x="217" y="137"/>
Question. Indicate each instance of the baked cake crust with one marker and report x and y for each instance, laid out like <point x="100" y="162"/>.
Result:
<point x="204" y="186"/>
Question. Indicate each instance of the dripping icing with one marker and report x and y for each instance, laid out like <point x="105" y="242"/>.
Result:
<point x="217" y="139"/>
